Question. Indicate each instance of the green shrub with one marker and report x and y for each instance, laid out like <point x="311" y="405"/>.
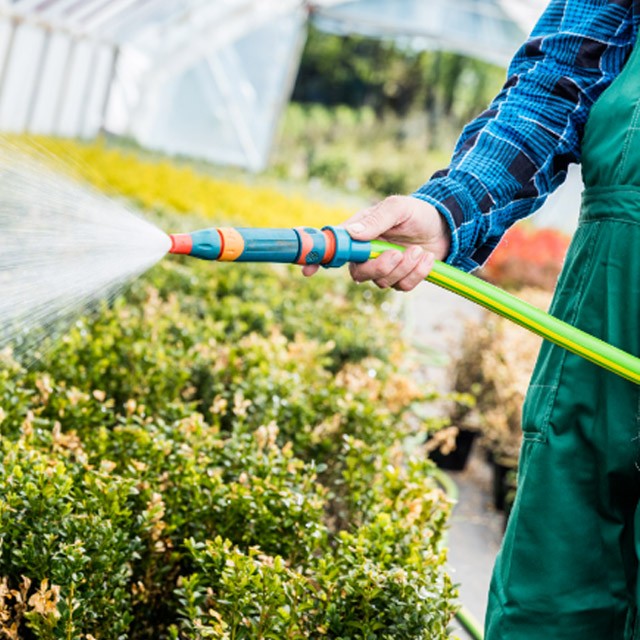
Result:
<point x="380" y="580"/>
<point x="241" y="486"/>
<point x="334" y="169"/>
<point x="15" y="397"/>
<point x="70" y="526"/>
<point x="216" y="454"/>
<point x="387" y="182"/>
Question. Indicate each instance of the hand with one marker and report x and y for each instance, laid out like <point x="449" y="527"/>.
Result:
<point x="403" y="220"/>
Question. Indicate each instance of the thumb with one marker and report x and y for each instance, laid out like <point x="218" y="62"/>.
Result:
<point x="372" y="223"/>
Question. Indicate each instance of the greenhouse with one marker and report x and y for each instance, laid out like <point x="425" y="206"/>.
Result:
<point x="203" y="78"/>
<point x="231" y="407"/>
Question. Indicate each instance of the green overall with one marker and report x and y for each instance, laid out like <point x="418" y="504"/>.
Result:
<point x="568" y="567"/>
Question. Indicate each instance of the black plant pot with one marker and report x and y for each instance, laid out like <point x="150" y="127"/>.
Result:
<point x="503" y="484"/>
<point x="457" y="459"/>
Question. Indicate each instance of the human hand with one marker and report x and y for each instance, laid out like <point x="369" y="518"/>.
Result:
<point x="403" y="220"/>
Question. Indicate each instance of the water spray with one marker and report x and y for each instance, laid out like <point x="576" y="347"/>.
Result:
<point x="334" y="247"/>
<point x="64" y="248"/>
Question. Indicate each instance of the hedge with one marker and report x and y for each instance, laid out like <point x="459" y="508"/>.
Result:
<point x="218" y="453"/>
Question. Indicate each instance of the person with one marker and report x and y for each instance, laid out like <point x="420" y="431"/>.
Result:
<point x="568" y="565"/>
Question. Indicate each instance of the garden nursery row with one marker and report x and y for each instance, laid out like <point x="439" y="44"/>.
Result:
<point x="218" y="451"/>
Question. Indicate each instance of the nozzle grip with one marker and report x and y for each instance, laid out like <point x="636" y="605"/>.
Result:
<point x="267" y="245"/>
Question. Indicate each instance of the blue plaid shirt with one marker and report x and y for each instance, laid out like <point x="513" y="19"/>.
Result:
<point x="512" y="156"/>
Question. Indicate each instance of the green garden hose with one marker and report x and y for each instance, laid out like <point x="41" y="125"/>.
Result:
<point x="545" y="325"/>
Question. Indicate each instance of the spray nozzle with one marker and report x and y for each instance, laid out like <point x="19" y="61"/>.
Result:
<point x="330" y="246"/>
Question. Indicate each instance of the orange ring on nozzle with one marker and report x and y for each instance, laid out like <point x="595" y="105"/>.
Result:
<point x="330" y="251"/>
<point x="181" y="243"/>
<point x="232" y="244"/>
<point x="306" y="245"/>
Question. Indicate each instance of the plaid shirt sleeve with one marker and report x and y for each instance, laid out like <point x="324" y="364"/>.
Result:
<point x="512" y="156"/>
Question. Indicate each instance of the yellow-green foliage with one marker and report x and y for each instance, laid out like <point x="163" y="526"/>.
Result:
<point x="154" y="184"/>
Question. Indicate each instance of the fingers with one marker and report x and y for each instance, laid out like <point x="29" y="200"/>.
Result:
<point x="377" y="270"/>
<point x="403" y="271"/>
<point x="418" y="274"/>
<point x="310" y="269"/>
<point x="374" y="222"/>
<point x="356" y="217"/>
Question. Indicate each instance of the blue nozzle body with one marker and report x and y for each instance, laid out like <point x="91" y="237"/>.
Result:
<point x="329" y="246"/>
<point x="207" y="244"/>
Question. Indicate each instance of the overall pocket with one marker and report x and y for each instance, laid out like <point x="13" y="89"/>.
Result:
<point x="567" y="301"/>
<point x="536" y="411"/>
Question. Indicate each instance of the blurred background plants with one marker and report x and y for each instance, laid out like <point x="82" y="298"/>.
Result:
<point x="376" y="117"/>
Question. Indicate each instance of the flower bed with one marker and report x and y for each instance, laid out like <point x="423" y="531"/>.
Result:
<point x="218" y="454"/>
<point x="158" y="184"/>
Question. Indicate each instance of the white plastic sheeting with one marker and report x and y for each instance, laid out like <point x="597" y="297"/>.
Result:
<point x="479" y="28"/>
<point x="51" y="82"/>
<point x="219" y="100"/>
<point x="205" y="78"/>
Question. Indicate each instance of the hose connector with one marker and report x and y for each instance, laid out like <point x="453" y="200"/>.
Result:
<point x="346" y="248"/>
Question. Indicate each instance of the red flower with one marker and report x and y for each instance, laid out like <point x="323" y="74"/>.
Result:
<point x="527" y="257"/>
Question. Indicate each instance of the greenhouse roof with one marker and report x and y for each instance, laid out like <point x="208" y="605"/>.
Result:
<point x="487" y="29"/>
<point x="205" y="78"/>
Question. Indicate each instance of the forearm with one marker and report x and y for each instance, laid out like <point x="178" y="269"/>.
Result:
<point x="513" y="155"/>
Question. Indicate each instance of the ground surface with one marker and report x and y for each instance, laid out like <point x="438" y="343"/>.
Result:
<point x="433" y="320"/>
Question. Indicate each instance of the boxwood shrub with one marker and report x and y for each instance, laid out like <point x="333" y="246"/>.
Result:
<point x="218" y="454"/>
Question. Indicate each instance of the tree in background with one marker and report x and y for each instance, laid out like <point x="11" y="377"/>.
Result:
<point x="378" y="115"/>
<point x="393" y="77"/>
<point x="358" y="72"/>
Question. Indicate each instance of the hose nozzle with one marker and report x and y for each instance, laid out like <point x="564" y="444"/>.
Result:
<point x="330" y="246"/>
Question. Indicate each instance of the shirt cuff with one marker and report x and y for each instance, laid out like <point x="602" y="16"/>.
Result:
<point x="460" y="211"/>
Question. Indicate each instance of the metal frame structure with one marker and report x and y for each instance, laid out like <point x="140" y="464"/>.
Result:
<point x="149" y="69"/>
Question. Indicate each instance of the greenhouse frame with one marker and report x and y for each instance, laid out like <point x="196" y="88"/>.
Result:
<point x="205" y="78"/>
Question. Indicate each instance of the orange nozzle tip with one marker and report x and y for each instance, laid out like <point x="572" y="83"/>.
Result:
<point x="181" y="243"/>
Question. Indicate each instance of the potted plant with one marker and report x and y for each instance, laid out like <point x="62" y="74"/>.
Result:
<point x="494" y="365"/>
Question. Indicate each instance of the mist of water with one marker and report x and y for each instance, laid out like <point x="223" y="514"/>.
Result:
<point x="63" y="247"/>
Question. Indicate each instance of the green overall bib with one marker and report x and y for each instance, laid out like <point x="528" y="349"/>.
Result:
<point x="568" y="567"/>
